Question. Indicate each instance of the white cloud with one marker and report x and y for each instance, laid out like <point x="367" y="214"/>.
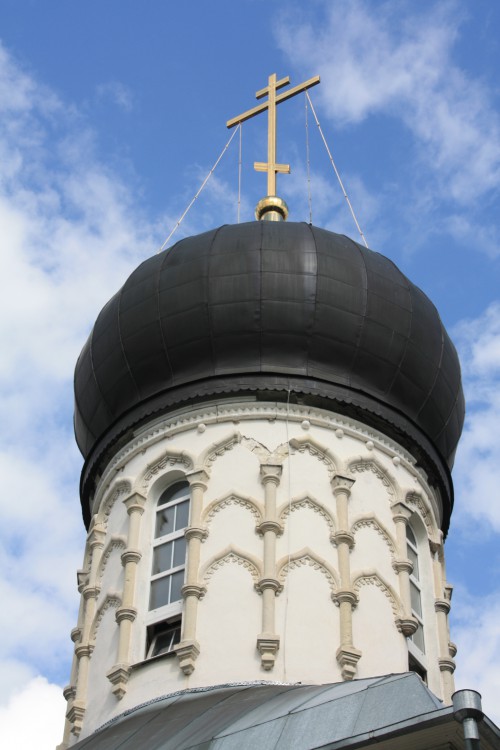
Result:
<point x="477" y="468"/>
<point x="71" y="233"/>
<point x="477" y="634"/>
<point x="118" y="93"/>
<point x="33" y="717"/>
<point x="398" y="61"/>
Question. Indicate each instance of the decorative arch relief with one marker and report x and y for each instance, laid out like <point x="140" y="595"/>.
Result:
<point x="122" y="487"/>
<point x="308" y="502"/>
<point x="303" y="558"/>
<point x="208" y="457"/>
<point x="111" y="600"/>
<point x="169" y="459"/>
<point x="233" y="499"/>
<point x="373" y="579"/>
<point x="315" y="449"/>
<point x="233" y="556"/>
<point x="115" y="543"/>
<point x="416" y="502"/>
<point x="361" y="465"/>
<point x="370" y="522"/>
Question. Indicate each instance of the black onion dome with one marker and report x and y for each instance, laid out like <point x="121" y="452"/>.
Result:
<point x="269" y="307"/>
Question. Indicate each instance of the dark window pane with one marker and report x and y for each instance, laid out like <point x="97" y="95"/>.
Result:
<point x="165" y="522"/>
<point x="416" y="602"/>
<point x="410" y="535"/>
<point x="174" y="492"/>
<point x="412" y="555"/>
<point x="159" y="592"/>
<point x="418" y="638"/>
<point x="177" y="581"/>
<point x="179" y="552"/>
<point x="167" y="640"/>
<point x="162" y="558"/>
<point x="182" y="517"/>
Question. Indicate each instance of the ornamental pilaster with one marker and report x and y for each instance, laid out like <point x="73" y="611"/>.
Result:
<point x="127" y="612"/>
<point x="188" y="649"/>
<point x="401" y="515"/>
<point x="268" y="641"/>
<point x="345" y="598"/>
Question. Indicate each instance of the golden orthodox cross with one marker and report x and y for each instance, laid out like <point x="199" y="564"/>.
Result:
<point x="271" y="167"/>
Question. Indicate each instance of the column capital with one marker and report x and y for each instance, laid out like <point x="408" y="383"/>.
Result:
<point x="69" y="692"/>
<point x="126" y="613"/>
<point x="442" y="605"/>
<point x="91" y="592"/>
<point x="271" y="473"/>
<point x="341" y="484"/>
<point x="342" y="537"/>
<point x="131" y="555"/>
<point x="193" y="589"/>
<point x="401" y="512"/>
<point x="83" y="650"/>
<point x="268" y="583"/>
<point x="446" y="664"/>
<point x="345" y="595"/>
<point x="198" y="478"/>
<point x="269" y="526"/>
<point x="135" y="502"/>
<point x="97" y="535"/>
<point x="76" y="634"/>
<point x="403" y="565"/>
<point x="196" y="532"/>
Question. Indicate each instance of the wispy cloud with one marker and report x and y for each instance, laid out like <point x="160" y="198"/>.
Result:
<point x="399" y="61"/>
<point x="117" y="93"/>
<point x="71" y="232"/>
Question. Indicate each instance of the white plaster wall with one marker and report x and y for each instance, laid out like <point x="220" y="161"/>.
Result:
<point x="308" y="622"/>
<point x="231" y="525"/>
<point x="376" y="635"/>
<point x="229" y="621"/>
<point x="371" y="551"/>
<point x="306" y="527"/>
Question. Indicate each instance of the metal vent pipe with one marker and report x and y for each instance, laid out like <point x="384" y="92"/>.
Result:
<point x="467" y="710"/>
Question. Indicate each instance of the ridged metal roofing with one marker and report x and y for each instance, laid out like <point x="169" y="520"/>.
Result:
<point x="398" y="709"/>
<point x="261" y="305"/>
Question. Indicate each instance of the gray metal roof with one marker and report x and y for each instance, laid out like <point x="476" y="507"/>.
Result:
<point x="354" y="714"/>
<point x="267" y="307"/>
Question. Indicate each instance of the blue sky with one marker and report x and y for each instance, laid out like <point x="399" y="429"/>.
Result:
<point x="111" y="115"/>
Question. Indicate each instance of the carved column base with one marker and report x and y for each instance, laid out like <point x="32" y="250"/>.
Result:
<point x="187" y="653"/>
<point x="267" y="646"/>
<point x="348" y="657"/>
<point x="75" y="716"/>
<point x="118" y="676"/>
<point x="407" y="625"/>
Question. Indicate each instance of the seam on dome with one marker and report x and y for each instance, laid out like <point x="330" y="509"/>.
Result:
<point x="315" y="315"/>
<point x="365" y="306"/>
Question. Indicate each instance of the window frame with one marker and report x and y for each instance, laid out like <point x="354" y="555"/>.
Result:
<point x="417" y="656"/>
<point x="164" y="612"/>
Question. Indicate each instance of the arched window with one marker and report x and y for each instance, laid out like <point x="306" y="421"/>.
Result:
<point x="417" y="645"/>
<point x="168" y="567"/>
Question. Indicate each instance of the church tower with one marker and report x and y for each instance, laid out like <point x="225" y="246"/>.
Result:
<point x="268" y="414"/>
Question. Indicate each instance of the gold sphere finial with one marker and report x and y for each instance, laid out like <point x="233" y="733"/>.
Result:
<point x="271" y="208"/>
